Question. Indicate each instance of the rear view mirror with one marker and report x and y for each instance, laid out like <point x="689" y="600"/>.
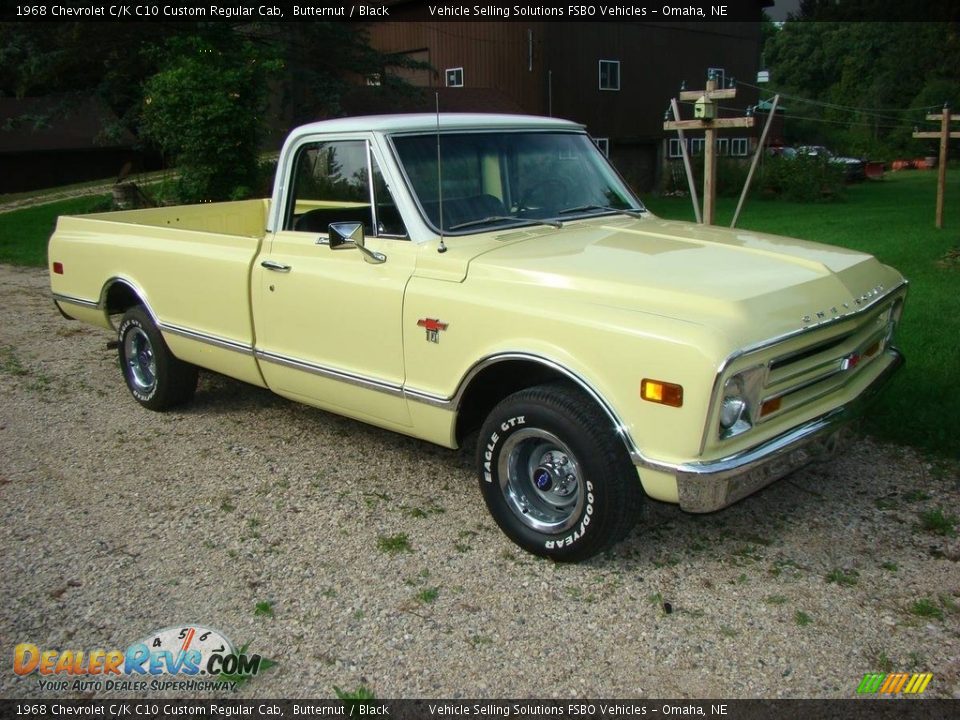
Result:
<point x="350" y="235"/>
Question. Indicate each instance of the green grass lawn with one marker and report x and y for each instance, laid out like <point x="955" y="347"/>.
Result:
<point x="24" y="233"/>
<point x="892" y="219"/>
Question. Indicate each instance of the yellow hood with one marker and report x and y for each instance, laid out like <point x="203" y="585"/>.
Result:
<point x="748" y="285"/>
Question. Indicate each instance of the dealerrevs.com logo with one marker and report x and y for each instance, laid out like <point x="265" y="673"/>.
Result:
<point x="185" y="657"/>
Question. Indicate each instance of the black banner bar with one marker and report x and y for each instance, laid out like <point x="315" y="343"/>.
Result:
<point x="860" y="709"/>
<point x="444" y="10"/>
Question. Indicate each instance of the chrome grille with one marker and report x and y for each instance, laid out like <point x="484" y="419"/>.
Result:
<point x="826" y="365"/>
<point x="793" y="377"/>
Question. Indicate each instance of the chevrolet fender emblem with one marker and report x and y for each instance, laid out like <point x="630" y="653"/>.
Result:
<point x="433" y="328"/>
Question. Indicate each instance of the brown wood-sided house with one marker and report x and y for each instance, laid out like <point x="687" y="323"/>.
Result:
<point x="615" y="77"/>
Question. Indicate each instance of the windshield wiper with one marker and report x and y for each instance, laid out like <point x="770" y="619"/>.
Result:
<point x="606" y="208"/>
<point x="500" y="218"/>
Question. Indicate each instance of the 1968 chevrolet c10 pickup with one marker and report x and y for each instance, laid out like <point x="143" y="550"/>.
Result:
<point x="447" y="275"/>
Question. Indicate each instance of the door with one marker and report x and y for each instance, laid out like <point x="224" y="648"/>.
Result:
<point x="328" y="320"/>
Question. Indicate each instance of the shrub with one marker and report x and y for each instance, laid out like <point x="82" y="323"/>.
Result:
<point x="204" y="110"/>
<point x="731" y="174"/>
<point x="801" y="179"/>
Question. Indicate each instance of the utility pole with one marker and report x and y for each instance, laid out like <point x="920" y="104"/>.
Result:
<point x="705" y="112"/>
<point x="756" y="158"/>
<point x="691" y="183"/>
<point x="944" y="135"/>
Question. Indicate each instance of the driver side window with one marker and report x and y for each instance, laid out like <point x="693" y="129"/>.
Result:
<point x="340" y="181"/>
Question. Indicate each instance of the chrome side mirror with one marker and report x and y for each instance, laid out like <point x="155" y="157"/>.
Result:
<point x="350" y="235"/>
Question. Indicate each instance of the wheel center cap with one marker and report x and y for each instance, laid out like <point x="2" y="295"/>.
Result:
<point x="543" y="478"/>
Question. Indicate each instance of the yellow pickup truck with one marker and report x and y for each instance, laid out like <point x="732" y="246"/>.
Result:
<point x="492" y="278"/>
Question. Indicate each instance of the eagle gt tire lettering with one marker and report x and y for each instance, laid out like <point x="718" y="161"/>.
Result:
<point x="156" y="379"/>
<point x="554" y="475"/>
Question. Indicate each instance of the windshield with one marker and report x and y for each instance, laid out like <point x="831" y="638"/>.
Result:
<point x="511" y="178"/>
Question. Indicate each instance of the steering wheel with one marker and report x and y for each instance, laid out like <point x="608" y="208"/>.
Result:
<point x="547" y="194"/>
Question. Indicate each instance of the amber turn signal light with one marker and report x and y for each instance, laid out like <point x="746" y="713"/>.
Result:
<point x="661" y="392"/>
<point x="770" y="406"/>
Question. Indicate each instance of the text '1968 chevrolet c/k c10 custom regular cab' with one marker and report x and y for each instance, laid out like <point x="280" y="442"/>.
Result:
<point x="492" y="277"/>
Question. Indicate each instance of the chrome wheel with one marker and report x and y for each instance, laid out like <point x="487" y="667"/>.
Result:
<point x="554" y="474"/>
<point x="155" y="377"/>
<point x="141" y="363"/>
<point x="541" y="480"/>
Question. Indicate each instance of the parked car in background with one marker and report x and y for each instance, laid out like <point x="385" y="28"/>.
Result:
<point x="782" y="151"/>
<point x="854" y="169"/>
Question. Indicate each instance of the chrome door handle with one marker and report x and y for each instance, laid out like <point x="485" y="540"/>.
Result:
<point x="273" y="265"/>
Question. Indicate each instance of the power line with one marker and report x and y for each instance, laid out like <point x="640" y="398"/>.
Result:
<point x="848" y="123"/>
<point x="873" y="112"/>
<point x="861" y="111"/>
<point x="906" y="124"/>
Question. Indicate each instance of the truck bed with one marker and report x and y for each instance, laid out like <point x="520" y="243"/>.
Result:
<point x="190" y="264"/>
<point x="246" y="218"/>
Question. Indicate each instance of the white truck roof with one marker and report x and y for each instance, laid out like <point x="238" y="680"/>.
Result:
<point x="427" y="122"/>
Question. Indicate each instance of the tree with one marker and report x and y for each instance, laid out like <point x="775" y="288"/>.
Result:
<point x="204" y="109"/>
<point x="196" y="91"/>
<point x="871" y="81"/>
<point x="75" y="60"/>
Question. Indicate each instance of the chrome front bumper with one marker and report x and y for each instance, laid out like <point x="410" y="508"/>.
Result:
<point x="708" y="486"/>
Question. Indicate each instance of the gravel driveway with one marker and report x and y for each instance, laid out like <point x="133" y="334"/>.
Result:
<point x="375" y="555"/>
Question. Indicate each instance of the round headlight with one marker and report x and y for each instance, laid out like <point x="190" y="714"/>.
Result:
<point x="734" y="408"/>
<point x="731" y="411"/>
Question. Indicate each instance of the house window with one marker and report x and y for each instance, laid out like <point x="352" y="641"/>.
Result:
<point x="719" y="74"/>
<point x="696" y="146"/>
<point x="374" y="80"/>
<point x="609" y="74"/>
<point x="604" y="145"/>
<point x="739" y="146"/>
<point x="674" y="149"/>
<point x="454" y="77"/>
<point x="723" y="146"/>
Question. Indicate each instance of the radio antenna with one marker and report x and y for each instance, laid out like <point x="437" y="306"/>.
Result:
<point x="441" y="248"/>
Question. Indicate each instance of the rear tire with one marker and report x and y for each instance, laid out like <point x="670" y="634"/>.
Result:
<point x="554" y="475"/>
<point x="156" y="379"/>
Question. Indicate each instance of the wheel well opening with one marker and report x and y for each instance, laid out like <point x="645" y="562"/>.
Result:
<point x="120" y="298"/>
<point x="494" y="384"/>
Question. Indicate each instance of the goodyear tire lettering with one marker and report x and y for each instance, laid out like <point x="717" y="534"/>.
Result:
<point x="554" y="474"/>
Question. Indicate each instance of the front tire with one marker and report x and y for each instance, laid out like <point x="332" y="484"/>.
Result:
<point x="156" y="379"/>
<point x="555" y="477"/>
